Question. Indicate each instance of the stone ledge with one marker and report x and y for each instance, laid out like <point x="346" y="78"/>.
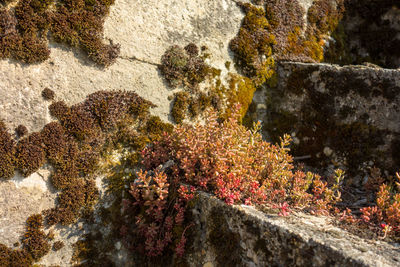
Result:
<point x="243" y="236"/>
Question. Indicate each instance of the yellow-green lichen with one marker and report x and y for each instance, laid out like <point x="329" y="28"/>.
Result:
<point x="253" y="46"/>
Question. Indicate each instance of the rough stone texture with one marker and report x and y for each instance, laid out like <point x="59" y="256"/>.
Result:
<point x="229" y="235"/>
<point x="351" y="113"/>
<point x="370" y="31"/>
<point x="144" y="29"/>
<point x="244" y="236"/>
<point x="20" y="198"/>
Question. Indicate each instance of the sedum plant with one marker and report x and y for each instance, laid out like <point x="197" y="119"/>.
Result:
<point x="223" y="158"/>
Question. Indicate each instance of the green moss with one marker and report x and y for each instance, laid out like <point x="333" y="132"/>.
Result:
<point x="180" y="106"/>
<point x="241" y="90"/>
<point x="183" y="67"/>
<point x="155" y="127"/>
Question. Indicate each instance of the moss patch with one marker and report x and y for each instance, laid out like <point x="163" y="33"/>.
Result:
<point x="253" y="45"/>
<point x="7" y="149"/>
<point x="76" y="146"/>
<point x="183" y="66"/>
<point x="79" y="23"/>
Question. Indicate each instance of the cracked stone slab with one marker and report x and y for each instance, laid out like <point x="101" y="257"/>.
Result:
<point x="272" y="240"/>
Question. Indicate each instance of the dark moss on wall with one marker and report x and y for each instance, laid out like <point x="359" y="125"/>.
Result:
<point x="224" y="241"/>
<point x="21" y="130"/>
<point x="48" y="94"/>
<point x="35" y="241"/>
<point x="35" y="245"/>
<point x="318" y="121"/>
<point x="24" y="30"/>
<point x="30" y="154"/>
<point x="17" y="257"/>
<point x="370" y="38"/>
<point x="7" y="149"/>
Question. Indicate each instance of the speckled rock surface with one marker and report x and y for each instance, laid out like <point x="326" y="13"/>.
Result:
<point x="340" y="116"/>
<point x="244" y="236"/>
<point x="369" y="32"/>
<point x="223" y="235"/>
<point x="144" y="29"/>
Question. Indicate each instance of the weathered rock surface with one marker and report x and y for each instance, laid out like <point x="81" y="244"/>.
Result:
<point x="244" y="236"/>
<point x="365" y="100"/>
<point x="144" y="29"/>
<point x="368" y="32"/>
<point x="345" y="116"/>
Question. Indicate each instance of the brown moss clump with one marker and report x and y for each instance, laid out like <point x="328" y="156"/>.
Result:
<point x="48" y="94"/>
<point x="21" y="130"/>
<point x="108" y="108"/>
<point x="30" y="154"/>
<point x="74" y="146"/>
<point x="183" y="67"/>
<point x="17" y="257"/>
<point x="34" y="239"/>
<point x="55" y="140"/>
<point x="58" y="109"/>
<point x="79" y="122"/>
<point x="155" y="127"/>
<point x="76" y="23"/>
<point x="7" y="148"/>
<point x="192" y="50"/>
<point x="58" y="245"/>
<point x="76" y="196"/>
<point x="80" y="24"/>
